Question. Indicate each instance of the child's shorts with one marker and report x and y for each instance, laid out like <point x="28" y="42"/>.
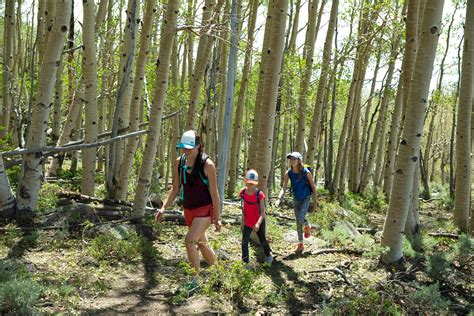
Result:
<point x="203" y="211"/>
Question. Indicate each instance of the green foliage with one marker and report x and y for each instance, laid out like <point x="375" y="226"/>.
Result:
<point x="12" y="269"/>
<point x="336" y="237"/>
<point x="110" y="250"/>
<point x="18" y="293"/>
<point x="430" y="298"/>
<point x="368" y="302"/>
<point x="281" y="294"/>
<point x="437" y="265"/>
<point x="232" y="280"/>
<point x="367" y="244"/>
<point x="19" y="296"/>
<point x="11" y="235"/>
<point x="407" y="249"/>
<point x="325" y="214"/>
<point x="375" y="201"/>
<point x="14" y="175"/>
<point x="48" y="197"/>
<point x="463" y="249"/>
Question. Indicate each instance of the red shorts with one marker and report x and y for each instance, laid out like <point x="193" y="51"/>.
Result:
<point x="203" y="211"/>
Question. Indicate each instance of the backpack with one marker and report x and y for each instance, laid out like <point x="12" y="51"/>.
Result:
<point x="242" y="199"/>
<point x="182" y="175"/>
<point x="310" y="169"/>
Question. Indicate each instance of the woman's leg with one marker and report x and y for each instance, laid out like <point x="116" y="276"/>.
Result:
<point x="301" y="208"/>
<point x="206" y="250"/>
<point x="299" y="219"/>
<point x="192" y="240"/>
<point x="245" y="243"/>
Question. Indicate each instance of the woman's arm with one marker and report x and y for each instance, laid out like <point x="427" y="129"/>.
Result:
<point x="283" y="189"/>
<point x="313" y="187"/>
<point x="172" y="193"/>
<point x="210" y="172"/>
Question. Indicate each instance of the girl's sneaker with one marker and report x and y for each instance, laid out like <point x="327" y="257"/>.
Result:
<point x="299" y="248"/>
<point x="269" y="259"/>
<point x="307" y="231"/>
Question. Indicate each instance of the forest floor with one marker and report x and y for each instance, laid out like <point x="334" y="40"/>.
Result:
<point x="110" y="269"/>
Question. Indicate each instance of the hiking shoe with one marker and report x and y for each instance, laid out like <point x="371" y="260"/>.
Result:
<point x="299" y="248"/>
<point x="307" y="231"/>
<point x="192" y="285"/>
<point x="269" y="259"/>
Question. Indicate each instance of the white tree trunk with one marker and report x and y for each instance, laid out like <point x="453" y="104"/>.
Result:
<point x="408" y="153"/>
<point x="8" y="40"/>
<point x="273" y="54"/>
<point x="136" y="106"/>
<point x="89" y="63"/>
<point x="168" y="33"/>
<point x="32" y="167"/>
<point x="462" y="200"/>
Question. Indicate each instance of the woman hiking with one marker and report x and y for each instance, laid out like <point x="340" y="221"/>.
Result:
<point x="196" y="179"/>
<point x="303" y="186"/>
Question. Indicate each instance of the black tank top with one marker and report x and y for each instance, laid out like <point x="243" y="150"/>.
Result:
<point x="195" y="187"/>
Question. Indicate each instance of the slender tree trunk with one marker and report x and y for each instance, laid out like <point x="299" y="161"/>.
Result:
<point x="322" y="86"/>
<point x="238" y="121"/>
<point x="375" y="150"/>
<point x="408" y="153"/>
<point x="229" y="100"/>
<point x="126" y="81"/>
<point x="209" y="18"/>
<point x="8" y="51"/>
<point x="308" y="55"/>
<point x="136" y="105"/>
<point x="462" y="200"/>
<point x="89" y="63"/>
<point x="168" y="33"/>
<point x="274" y="53"/>
<point x="32" y="167"/>
<point x="121" y="114"/>
<point x="7" y="199"/>
<point x="411" y="46"/>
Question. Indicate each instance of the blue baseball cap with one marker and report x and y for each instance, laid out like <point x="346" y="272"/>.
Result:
<point x="188" y="140"/>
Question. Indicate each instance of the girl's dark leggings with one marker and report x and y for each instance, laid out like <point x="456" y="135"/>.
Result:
<point x="246" y="239"/>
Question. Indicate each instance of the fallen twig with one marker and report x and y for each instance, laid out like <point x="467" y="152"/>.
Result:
<point x="336" y="271"/>
<point x="450" y="235"/>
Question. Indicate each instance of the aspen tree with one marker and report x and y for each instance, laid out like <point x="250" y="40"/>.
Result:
<point x="308" y="55"/>
<point x="239" y="111"/>
<point x="462" y="197"/>
<point x="168" y="34"/>
<point x="273" y="53"/>
<point x="8" y="51"/>
<point x="135" y="106"/>
<point x="408" y="153"/>
<point x="89" y="63"/>
<point x="32" y="165"/>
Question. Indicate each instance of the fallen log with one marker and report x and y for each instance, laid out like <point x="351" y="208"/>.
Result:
<point x="449" y="235"/>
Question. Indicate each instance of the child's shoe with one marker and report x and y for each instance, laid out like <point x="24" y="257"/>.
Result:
<point x="307" y="231"/>
<point x="269" y="259"/>
<point x="299" y="248"/>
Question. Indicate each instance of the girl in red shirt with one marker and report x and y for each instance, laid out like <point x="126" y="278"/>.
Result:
<point x="254" y="216"/>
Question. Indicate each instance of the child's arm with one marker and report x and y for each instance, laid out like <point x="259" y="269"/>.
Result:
<point x="283" y="189"/>
<point x="262" y="215"/>
<point x="313" y="187"/>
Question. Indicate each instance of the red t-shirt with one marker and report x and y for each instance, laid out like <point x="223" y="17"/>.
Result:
<point x="251" y="212"/>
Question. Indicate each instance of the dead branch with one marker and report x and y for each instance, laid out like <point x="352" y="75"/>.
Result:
<point x="336" y="271"/>
<point x="449" y="235"/>
<point x="51" y="149"/>
<point x="344" y="251"/>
